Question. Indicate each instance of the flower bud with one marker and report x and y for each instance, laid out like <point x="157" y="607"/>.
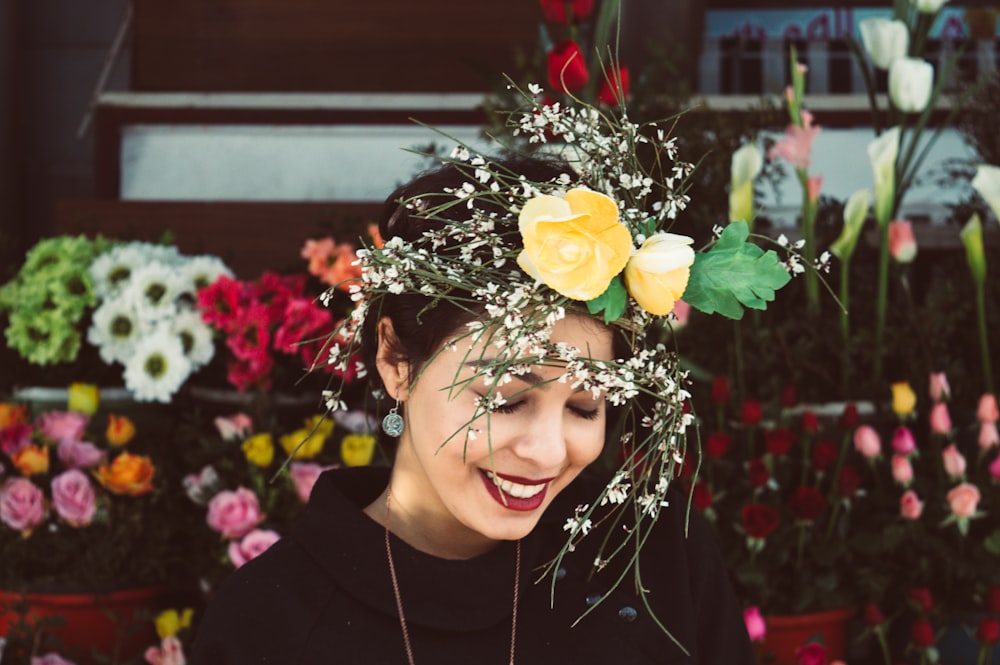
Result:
<point x="867" y="442"/>
<point x="922" y="633"/>
<point x="987" y="411"/>
<point x="940" y="420"/>
<point x="720" y="390"/>
<point x="904" y="400"/>
<point x="954" y="461"/>
<point x="884" y="40"/>
<point x="873" y="616"/>
<point x="849" y="418"/>
<point x="910" y="83"/>
<point x="910" y="505"/>
<point x="929" y="6"/>
<point x="789" y="396"/>
<point x="614" y="85"/>
<point x="756" y="628"/>
<point x="988" y="631"/>
<point x="989" y="437"/>
<point x="751" y="413"/>
<point x="987" y="183"/>
<point x="902" y="244"/>
<point x="903" y="441"/>
<point x="83" y="398"/>
<point x="902" y="470"/>
<point x="922" y="599"/>
<point x="567" y="67"/>
<point x="995" y="469"/>
<point x="717" y="445"/>
<point x="745" y="166"/>
<point x="938" y="387"/>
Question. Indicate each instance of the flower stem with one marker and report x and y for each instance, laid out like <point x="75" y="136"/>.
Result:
<point x="845" y="326"/>
<point x="881" y="303"/>
<point x="809" y="250"/>
<point x="886" y="656"/>
<point x="984" y="344"/>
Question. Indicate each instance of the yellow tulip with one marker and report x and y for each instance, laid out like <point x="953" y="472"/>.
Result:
<point x="31" y="460"/>
<point x="658" y="273"/>
<point x="259" y="449"/>
<point x="357" y="449"/>
<point x="575" y="244"/>
<point x="120" y="430"/>
<point x="83" y="398"/>
<point x="904" y="400"/>
<point x="170" y="622"/>
<point x="323" y="425"/>
<point x="746" y="165"/>
<point x="302" y="443"/>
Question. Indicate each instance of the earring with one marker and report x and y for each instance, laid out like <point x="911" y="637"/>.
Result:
<point x="392" y="424"/>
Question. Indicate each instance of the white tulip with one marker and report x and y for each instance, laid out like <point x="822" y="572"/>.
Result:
<point x="987" y="183"/>
<point x="882" y="153"/>
<point x="746" y="166"/>
<point x="884" y="40"/>
<point x="928" y="6"/>
<point x="910" y="83"/>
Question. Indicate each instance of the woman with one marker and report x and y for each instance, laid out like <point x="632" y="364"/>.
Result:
<point x="491" y="539"/>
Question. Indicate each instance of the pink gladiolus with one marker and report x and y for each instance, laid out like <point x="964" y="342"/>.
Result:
<point x="756" y="627"/>
<point x="954" y="461"/>
<point x="73" y="497"/>
<point x="170" y="652"/>
<point x="813" y="186"/>
<point x="22" y="504"/>
<point x="252" y="545"/>
<point x="938" y="387"/>
<point x="910" y="505"/>
<point x="989" y="437"/>
<point x="902" y="470"/>
<point x="963" y="500"/>
<point x="903" y="441"/>
<point x="902" y="244"/>
<point x="867" y="442"/>
<point x="51" y="658"/>
<point x="987" y="411"/>
<point x="796" y="145"/>
<point x="79" y="454"/>
<point x="940" y="420"/>
<point x="234" y="513"/>
<point x="233" y="427"/>
<point x="62" y="425"/>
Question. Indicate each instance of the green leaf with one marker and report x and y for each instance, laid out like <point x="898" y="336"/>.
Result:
<point x="612" y="302"/>
<point x="993" y="543"/>
<point x="734" y="274"/>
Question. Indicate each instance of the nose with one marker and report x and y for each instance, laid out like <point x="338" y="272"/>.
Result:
<point x="543" y="440"/>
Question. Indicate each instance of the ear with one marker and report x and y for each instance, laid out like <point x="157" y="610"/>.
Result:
<point x="392" y="367"/>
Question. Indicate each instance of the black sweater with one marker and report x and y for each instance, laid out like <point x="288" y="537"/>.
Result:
<point x="324" y="595"/>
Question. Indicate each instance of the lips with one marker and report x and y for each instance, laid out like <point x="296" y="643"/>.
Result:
<point x="515" y="492"/>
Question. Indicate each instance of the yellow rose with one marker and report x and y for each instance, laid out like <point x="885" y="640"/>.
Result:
<point x="31" y="460"/>
<point x="658" y="273"/>
<point x="259" y="449"/>
<point x="170" y="622"/>
<point x="574" y="244"/>
<point x="127" y="474"/>
<point x="904" y="400"/>
<point x="303" y="444"/>
<point x="357" y="449"/>
<point x="83" y="398"/>
<point x="120" y="430"/>
<point x="324" y="426"/>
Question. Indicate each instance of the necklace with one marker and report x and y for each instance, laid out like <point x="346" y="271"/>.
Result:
<point x="399" y="597"/>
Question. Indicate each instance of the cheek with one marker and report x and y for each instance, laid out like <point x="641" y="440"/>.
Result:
<point x="586" y="446"/>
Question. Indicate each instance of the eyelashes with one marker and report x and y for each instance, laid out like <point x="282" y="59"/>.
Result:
<point x="512" y="407"/>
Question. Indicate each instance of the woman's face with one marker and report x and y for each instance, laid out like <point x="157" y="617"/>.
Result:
<point x="498" y="485"/>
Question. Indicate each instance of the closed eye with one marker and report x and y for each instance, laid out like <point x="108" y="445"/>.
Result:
<point x="589" y="414"/>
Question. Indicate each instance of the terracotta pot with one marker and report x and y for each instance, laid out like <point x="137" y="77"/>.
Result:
<point x="787" y="633"/>
<point x="116" y="624"/>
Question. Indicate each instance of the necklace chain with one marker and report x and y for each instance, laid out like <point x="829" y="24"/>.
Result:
<point x="399" y="597"/>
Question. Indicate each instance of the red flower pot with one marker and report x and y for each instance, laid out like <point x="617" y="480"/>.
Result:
<point x="787" y="633"/>
<point x="113" y="623"/>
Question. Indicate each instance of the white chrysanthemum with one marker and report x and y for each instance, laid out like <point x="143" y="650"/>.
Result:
<point x="158" y="367"/>
<point x="154" y="288"/>
<point x="115" y="329"/>
<point x="112" y="271"/>
<point x="195" y="336"/>
<point x="201" y="271"/>
<point x="153" y="253"/>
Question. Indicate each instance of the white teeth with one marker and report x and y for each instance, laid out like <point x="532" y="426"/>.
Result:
<point x="516" y="490"/>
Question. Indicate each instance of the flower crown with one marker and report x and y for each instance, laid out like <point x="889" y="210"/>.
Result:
<point x="519" y="255"/>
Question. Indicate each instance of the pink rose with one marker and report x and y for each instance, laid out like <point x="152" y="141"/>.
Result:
<point x="964" y="499"/>
<point x="756" y="628"/>
<point x="169" y="652"/>
<point x="939" y="419"/>
<point x="995" y="468"/>
<point x="22" y="504"/>
<point x="867" y="442"/>
<point x="903" y="441"/>
<point x="202" y="486"/>
<point x="234" y="514"/>
<point x="73" y="497"/>
<point x="51" y="658"/>
<point x="811" y="654"/>
<point x="910" y="505"/>
<point x="62" y="425"/>
<point x="235" y="426"/>
<point x="14" y="438"/>
<point x="987" y="411"/>
<point x="304" y="476"/>
<point x="989" y="437"/>
<point x="251" y="546"/>
<point x="954" y="461"/>
<point x="902" y="470"/>
<point x="939" y="389"/>
<point x="79" y="454"/>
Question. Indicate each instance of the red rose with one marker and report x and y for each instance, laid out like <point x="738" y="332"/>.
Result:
<point x="567" y="68"/>
<point x="555" y="10"/>
<point x="922" y="599"/>
<point x="789" y="397"/>
<point x="807" y="504"/>
<point x="825" y="453"/>
<point x="810" y="423"/>
<point x="759" y="521"/>
<point x="610" y="90"/>
<point x="993" y="600"/>
<point x="701" y="496"/>
<point x="988" y="631"/>
<point x="779" y="441"/>
<point x="873" y="615"/>
<point x="811" y="654"/>
<point x="758" y="473"/>
<point x="850" y="419"/>
<point x="750" y="413"/>
<point x="718" y="444"/>
<point x="720" y="390"/>
<point x="849" y="481"/>
<point x="922" y="633"/>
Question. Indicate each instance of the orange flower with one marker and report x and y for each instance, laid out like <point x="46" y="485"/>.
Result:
<point x="120" y="430"/>
<point x="31" y="460"/>
<point x="376" y="236"/>
<point x="127" y="474"/>
<point x="12" y="414"/>
<point x="333" y="263"/>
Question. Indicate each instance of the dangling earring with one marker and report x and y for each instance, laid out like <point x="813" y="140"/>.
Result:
<point x="392" y="424"/>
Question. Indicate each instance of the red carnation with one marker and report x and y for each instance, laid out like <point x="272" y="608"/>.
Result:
<point x="720" y="390"/>
<point x="701" y="496"/>
<point x="824" y="455"/>
<point x="567" y="68"/>
<point x="750" y="413"/>
<point x="614" y="85"/>
<point x="850" y="419"/>
<point x="758" y="473"/>
<point x="718" y="444"/>
<point x="988" y="631"/>
<point x="849" y="481"/>
<point x="810" y="423"/>
<point x="922" y="633"/>
<point x="922" y="599"/>
<point x="779" y="441"/>
<point x="813" y="653"/>
<point x="807" y="504"/>
<point x="555" y="10"/>
<point x="759" y="521"/>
